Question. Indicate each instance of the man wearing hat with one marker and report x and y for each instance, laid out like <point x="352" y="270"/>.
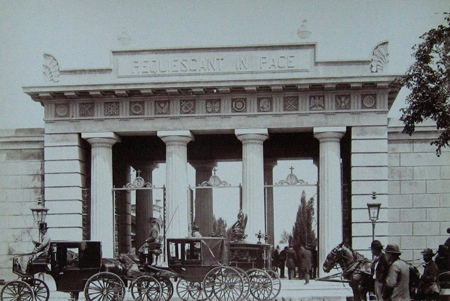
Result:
<point x="428" y="286"/>
<point x="379" y="267"/>
<point x="41" y="247"/>
<point x="396" y="285"/>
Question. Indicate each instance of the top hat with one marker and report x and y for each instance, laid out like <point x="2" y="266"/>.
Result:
<point x="43" y="226"/>
<point x="393" y="249"/>
<point x="428" y="251"/>
<point x="376" y="244"/>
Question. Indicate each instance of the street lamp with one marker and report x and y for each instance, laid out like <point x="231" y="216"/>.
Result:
<point x="39" y="211"/>
<point x="374" y="212"/>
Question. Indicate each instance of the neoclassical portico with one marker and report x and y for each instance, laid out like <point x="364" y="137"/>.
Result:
<point x="244" y="92"/>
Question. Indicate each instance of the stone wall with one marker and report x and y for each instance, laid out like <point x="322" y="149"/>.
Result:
<point x="419" y="191"/>
<point x="21" y="183"/>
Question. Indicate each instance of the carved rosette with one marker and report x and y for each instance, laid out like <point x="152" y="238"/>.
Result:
<point x="111" y="109"/>
<point x="137" y="108"/>
<point x="62" y="110"/>
<point x="239" y="105"/>
<point x="369" y="101"/>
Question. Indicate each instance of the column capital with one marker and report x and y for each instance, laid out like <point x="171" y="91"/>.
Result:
<point x="109" y="138"/>
<point x="324" y="133"/>
<point x="255" y="135"/>
<point x="203" y="165"/>
<point x="175" y="136"/>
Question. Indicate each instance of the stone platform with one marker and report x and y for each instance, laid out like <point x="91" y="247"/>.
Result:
<point x="291" y="290"/>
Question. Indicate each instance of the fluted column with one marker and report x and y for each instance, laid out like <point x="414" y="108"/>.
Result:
<point x="144" y="203"/>
<point x="102" y="204"/>
<point x="203" y="197"/>
<point x="253" y="179"/>
<point x="330" y="190"/>
<point x="177" y="223"/>
<point x="268" y="180"/>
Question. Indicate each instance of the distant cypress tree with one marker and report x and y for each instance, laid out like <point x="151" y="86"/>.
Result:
<point x="302" y="231"/>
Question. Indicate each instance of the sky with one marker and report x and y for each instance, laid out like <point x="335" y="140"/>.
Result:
<point x="82" y="33"/>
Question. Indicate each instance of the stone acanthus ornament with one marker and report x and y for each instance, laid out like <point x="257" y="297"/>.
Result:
<point x="236" y="233"/>
<point x="214" y="181"/>
<point x="380" y="58"/>
<point x="51" y="68"/>
<point x="291" y="179"/>
<point x="303" y="32"/>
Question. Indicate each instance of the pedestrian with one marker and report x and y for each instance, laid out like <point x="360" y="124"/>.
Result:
<point x="304" y="263"/>
<point x="396" y="286"/>
<point x="429" y="288"/>
<point x="276" y="259"/>
<point x="379" y="268"/>
<point x="291" y="262"/>
<point x="282" y="262"/>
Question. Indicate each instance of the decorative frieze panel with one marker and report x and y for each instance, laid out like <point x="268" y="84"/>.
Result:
<point x="86" y="109"/>
<point x="187" y="107"/>
<point x="136" y="108"/>
<point x="239" y="105"/>
<point x="162" y="107"/>
<point x="342" y="102"/>
<point x="265" y="104"/>
<point x="111" y="109"/>
<point x="62" y="110"/>
<point x="316" y="103"/>
<point x="368" y="101"/>
<point x="213" y="106"/>
<point x="290" y="103"/>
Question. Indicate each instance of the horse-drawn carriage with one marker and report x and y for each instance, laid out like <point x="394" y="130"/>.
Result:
<point x="204" y="269"/>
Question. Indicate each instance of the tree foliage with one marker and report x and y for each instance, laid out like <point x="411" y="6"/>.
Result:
<point x="303" y="232"/>
<point x="428" y="79"/>
<point x="284" y="237"/>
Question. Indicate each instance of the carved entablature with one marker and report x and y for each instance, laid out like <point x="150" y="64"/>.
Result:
<point x="163" y="106"/>
<point x="246" y="81"/>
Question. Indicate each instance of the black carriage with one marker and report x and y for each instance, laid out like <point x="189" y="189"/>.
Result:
<point x="78" y="266"/>
<point x="212" y="268"/>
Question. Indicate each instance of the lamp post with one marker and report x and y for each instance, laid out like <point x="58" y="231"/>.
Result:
<point x="39" y="213"/>
<point x="374" y="212"/>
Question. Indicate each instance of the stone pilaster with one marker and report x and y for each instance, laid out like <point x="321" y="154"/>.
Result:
<point x="268" y="180"/>
<point x="253" y="179"/>
<point x="203" y="197"/>
<point x="330" y="189"/>
<point x="177" y="224"/>
<point x="144" y="203"/>
<point x="102" y="203"/>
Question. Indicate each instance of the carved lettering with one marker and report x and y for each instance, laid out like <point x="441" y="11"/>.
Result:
<point x="277" y="62"/>
<point x="183" y="65"/>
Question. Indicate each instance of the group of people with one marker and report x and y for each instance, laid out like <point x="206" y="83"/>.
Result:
<point x="299" y="263"/>
<point x="393" y="277"/>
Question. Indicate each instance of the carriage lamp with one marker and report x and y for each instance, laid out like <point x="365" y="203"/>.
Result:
<point x="374" y="212"/>
<point x="39" y="211"/>
<point x="259" y="235"/>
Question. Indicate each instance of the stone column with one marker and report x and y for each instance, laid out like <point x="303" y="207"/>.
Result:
<point x="144" y="203"/>
<point x="203" y="197"/>
<point x="177" y="223"/>
<point x="268" y="180"/>
<point x="330" y="190"/>
<point x="102" y="203"/>
<point x="253" y="179"/>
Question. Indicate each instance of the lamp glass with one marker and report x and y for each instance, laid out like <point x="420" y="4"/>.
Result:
<point x="39" y="213"/>
<point x="374" y="211"/>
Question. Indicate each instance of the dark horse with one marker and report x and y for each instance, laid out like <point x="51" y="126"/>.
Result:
<point x="355" y="268"/>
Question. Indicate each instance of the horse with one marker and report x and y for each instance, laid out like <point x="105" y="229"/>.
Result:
<point x="355" y="268"/>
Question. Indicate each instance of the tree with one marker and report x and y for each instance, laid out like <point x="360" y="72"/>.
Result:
<point x="428" y="79"/>
<point x="284" y="237"/>
<point x="302" y="232"/>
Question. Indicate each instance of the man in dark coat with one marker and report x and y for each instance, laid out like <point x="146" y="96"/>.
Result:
<point x="291" y="262"/>
<point x="379" y="267"/>
<point x="282" y="262"/>
<point x="304" y="263"/>
<point x="428" y="286"/>
<point x="396" y="286"/>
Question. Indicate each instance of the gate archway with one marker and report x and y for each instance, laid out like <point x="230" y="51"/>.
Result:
<point x="158" y="211"/>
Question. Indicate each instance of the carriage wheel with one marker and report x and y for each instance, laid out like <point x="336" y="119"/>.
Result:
<point x="246" y="279"/>
<point x="260" y="284"/>
<point x="40" y="289"/>
<point x="191" y="290"/>
<point x="166" y="287"/>
<point x="226" y="282"/>
<point x="146" y="288"/>
<point x="17" y="290"/>
<point x="276" y="284"/>
<point x="104" y="286"/>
